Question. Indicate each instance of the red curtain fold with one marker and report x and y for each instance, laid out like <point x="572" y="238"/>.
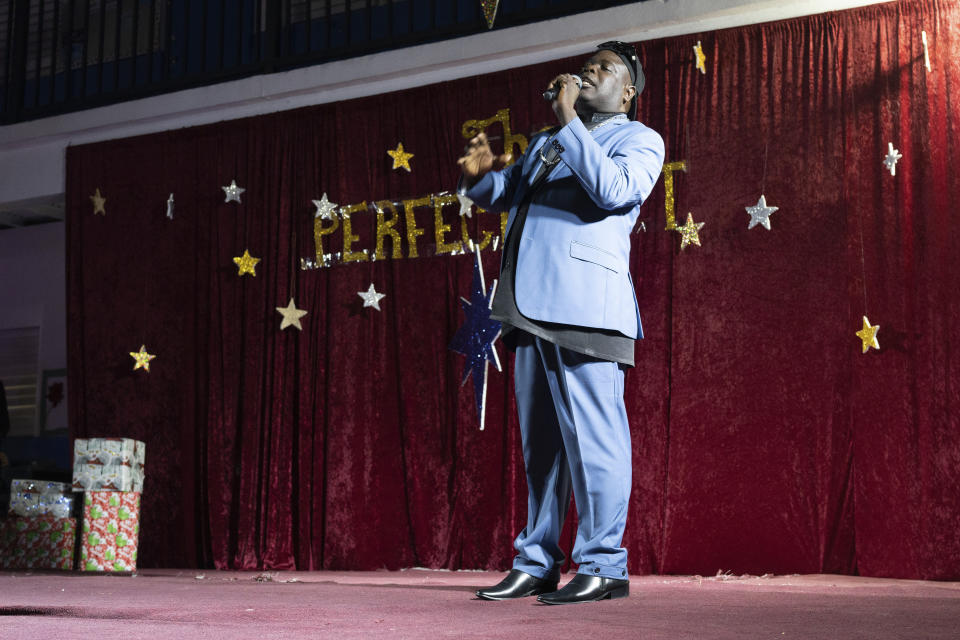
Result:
<point x="763" y="439"/>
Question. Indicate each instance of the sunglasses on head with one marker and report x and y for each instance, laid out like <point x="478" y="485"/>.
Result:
<point x="621" y="48"/>
<point x="626" y="53"/>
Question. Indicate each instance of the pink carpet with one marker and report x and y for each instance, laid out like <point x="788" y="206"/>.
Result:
<point x="437" y="604"/>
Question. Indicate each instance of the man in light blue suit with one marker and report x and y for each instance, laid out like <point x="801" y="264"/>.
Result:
<point x="568" y="307"/>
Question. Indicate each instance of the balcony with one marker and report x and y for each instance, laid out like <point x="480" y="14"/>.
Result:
<point x="58" y="56"/>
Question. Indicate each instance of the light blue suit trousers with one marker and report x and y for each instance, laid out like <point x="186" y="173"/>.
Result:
<point x="575" y="434"/>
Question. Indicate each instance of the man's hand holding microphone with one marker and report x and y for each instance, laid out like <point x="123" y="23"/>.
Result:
<point x="563" y="93"/>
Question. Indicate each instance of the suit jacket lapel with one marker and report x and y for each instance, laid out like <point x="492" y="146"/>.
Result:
<point x="536" y="173"/>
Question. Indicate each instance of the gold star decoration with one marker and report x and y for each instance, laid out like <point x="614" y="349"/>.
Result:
<point x="401" y="159"/>
<point x="690" y="232"/>
<point x="701" y="58"/>
<point x="142" y="359"/>
<point x="98" y="202"/>
<point x="291" y="315"/>
<point x="246" y="264"/>
<point x="868" y="335"/>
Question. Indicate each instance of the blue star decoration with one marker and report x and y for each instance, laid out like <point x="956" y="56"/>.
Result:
<point x="475" y="337"/>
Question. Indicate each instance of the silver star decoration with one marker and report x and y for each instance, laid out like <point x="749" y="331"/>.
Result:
<point x="170" y="207"/>
<point x="891" y="160"/>
<point x="465" y="205"/>
<point x="232" y="192"/>
<point x="371" y="298"/>
<point x="291" y="315"/>
<point x="325" y="208"/>
<point x="760" y="213"/>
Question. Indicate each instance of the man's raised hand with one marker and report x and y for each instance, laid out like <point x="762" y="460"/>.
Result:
<point x="478" y="160"/>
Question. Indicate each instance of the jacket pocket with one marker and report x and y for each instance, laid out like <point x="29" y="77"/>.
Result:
<point x="596" y="255"/>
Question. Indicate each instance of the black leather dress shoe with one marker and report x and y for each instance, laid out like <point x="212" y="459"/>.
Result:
<point x="518" y="584"/>
<point x="584" y="588"/>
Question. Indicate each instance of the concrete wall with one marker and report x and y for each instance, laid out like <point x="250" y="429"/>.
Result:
<point x="33" y="287"/>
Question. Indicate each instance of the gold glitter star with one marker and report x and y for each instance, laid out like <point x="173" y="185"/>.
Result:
<point x="689" y="232"/>
<point x="401" y="159"/>
<point x="98" y="202"/>
<point x="142" y="359"/>
<point x="246" y="264"/>
<point x="701" y="57"/>
<point x="868" y="335"/>
<point x="291" y="316"/>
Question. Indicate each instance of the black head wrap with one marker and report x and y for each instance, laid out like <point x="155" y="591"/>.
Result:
<point x="629" y="56"/>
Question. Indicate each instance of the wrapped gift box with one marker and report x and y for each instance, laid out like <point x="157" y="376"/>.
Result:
<point x="31" y="505"/>
<point x="109" y="451"/>
<point x="108" y="464"/>
<point x="96" y="477"/>
<point x="38" y="542"/>
<point x="111" y="530"/>
<point x="31" y="498"/>
<point x="39" y="486"/>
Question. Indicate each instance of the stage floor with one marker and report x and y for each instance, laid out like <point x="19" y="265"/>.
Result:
<point x="419" y="603"/>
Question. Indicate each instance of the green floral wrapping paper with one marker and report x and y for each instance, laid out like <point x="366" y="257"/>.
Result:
<point x="111" y="530"/>
<point x="37" y="542"/>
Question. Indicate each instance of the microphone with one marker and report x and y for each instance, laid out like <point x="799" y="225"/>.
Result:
<point x="551" y="94"/>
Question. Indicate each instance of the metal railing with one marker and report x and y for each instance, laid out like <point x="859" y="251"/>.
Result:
<point x="58" y="56"/>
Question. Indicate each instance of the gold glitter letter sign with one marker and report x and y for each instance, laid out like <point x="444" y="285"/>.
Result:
<point x="471" y="128"/>
<point x="668" y="169"/>
<point x="440" y="230"/>
<point x="349" y="255"/>
<point x="413" y="231"/>
<point x="319" y="231"/>
<point x="387" y="227"/>
<point x="465" y="232"/>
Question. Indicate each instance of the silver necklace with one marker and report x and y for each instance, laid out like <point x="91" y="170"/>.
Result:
<point x="550" y="163"/>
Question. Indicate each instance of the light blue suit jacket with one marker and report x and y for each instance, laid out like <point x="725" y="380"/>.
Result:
<point x="573" y="265"/>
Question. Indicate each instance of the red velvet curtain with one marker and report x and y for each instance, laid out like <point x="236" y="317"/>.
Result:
<point x="763" y="439"/>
